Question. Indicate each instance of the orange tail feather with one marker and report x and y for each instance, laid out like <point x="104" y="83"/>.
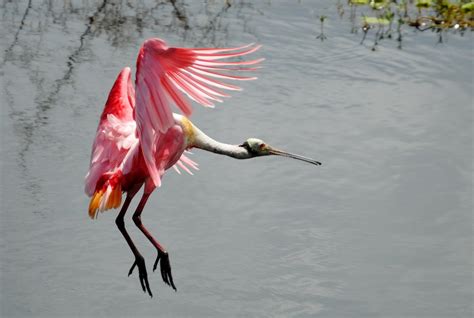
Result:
<point x="106" y="198"/>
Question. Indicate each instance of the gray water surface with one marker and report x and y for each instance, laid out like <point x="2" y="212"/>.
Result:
<point x="382" y="229"/>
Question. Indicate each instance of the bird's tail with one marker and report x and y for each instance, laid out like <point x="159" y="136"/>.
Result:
<point x="108" y="194"/>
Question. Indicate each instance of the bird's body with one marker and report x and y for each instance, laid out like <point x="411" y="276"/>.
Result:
<point x="139" y="137"/>
<point x="135" y="169"/>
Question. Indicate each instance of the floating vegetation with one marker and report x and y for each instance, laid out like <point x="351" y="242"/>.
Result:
<point x="322" y="36"/>
<point x="390" y="16"/>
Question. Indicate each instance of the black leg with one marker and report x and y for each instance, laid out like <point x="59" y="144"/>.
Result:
<point x="163" y="255"/>
<point x="139" y="260"/>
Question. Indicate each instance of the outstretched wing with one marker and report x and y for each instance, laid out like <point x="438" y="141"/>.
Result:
<point x="116" y="132"/>
<point x="185" y="163"/>
<point x="164" y="74"/>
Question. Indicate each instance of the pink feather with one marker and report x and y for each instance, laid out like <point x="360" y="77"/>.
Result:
<point x="116" y="132"/>
<point x="138" y="122"/>
<point x="164" y="74"/>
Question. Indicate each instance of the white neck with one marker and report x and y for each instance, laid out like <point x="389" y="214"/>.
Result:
<point x="204" y="142"/>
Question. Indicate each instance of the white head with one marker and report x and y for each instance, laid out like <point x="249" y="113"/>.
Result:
<point x="257" y="147"/>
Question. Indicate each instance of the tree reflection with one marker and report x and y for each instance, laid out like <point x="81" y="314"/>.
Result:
<point x="120" y="22"/>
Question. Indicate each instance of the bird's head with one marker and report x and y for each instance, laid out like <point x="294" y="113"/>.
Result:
<point x="257" y="148"/>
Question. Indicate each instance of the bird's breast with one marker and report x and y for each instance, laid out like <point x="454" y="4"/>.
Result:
<point x="170" y="147"/>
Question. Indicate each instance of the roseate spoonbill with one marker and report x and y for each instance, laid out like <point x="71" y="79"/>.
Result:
<point x="139" y="137"/>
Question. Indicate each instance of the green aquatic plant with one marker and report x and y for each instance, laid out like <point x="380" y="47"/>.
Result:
<point x="322" y="36"/>
<point x="375" y="20"/>
<point x="358" y="2"/>
<point x="440" y="16"/>
<point x="423" y="3"/>
<point x="378" y="4"/>
<point x="468" y="7"/>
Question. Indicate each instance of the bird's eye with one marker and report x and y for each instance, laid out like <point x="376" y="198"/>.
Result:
<point x="262" y="146"/>
<point x="245" y="144"/>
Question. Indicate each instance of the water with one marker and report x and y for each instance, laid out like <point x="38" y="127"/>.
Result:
<point x="382" y="229"/>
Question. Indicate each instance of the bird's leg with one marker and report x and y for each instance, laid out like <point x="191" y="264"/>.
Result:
<point x="162" y="253"/>
<point x="139" y="260"/>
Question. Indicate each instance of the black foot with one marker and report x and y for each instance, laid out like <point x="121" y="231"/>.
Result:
<point x="165" y="268"/>
<point x="140" y="263"/>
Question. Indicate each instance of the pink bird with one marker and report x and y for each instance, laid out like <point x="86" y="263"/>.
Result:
<point x="139" y="137"/>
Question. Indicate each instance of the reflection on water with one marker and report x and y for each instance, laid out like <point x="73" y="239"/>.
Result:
<point x="383" y="227"/>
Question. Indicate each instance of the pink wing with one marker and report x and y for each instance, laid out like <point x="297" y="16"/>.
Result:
<point x="163" y="74"/>
<point x="185" y="163"/>
<point x="116" y="132"/>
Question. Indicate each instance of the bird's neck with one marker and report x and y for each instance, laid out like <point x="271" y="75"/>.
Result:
<point x="200" y="140"/>
<point x="209" y="144"/>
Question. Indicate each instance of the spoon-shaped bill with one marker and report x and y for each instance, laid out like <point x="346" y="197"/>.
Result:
<point x="291" y="155"/>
